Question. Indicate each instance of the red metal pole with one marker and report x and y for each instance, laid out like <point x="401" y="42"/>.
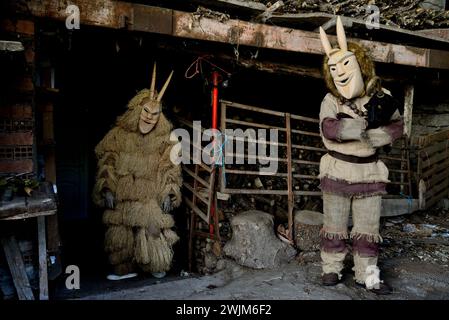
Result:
<point x="214" y="99"/>
<point x="215" y="76"/>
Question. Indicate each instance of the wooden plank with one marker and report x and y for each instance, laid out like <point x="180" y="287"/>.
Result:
<point x="196" y="177"/>
<point x="423" y="141"/>
<point x="434" y="169"/>
<point x="243" y="139"/>
<point x="408" y="109"/>
<point x="437" y="188"/>
<point x="302" y="118"/>
<point x="196" y="209"/>
<point x="118" y="14"/>
<point x="255" y="191"/>
<point x="307" y="193"/>
<point x="287" y="39"/>
<point x="222" y="171"/>
<point x="435" y="158"/>
<point x="193" y="221"/>
<point x="252" y="124"/>
<point x="306" y="176"/>
<point x="11" y="46"/>
<point x="196" y="194"/>
<point x="314" y="163"/>
<point x="436" y="175"/>
<point x="291" y="197"/>
<point x="17" y="268"/>
<point x="279" y="68"/>
<point x="435" y="147"/>
<point x="255" y="173"/>
<point x="307" y="133"/>
<point x="328" y="22"/>
<point x="270" y="192"/>
<point x="30" y="215"/>
<point x="298" y="146"/>
<point x="382" y="157"/>
<point x="42" y="248"/>
<point x="421" y="192"/>
<point x="230" y="104"/>
<point x="436" y="198"/>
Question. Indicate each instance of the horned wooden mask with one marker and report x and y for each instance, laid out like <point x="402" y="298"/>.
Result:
<point x="152" y="106"/>
<point x="343" y="65"/>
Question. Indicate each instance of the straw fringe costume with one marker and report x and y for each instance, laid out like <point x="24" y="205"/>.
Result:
<point x="137" y="170"/>
<point x="352" y="178"/>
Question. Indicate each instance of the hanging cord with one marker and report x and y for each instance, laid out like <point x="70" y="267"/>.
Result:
<point x="198" y="67"/>
<point x="409" y="201"/>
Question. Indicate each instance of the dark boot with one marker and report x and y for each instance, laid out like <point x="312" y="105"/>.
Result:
<point x="330" y="279"/>
<point x="384" y="289"/>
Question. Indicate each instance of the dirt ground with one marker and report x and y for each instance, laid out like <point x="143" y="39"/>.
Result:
<point x="414" y="260"/>
<point x="410" y="280"/>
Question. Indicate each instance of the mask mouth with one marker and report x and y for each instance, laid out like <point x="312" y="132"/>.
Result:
<point x="343" y="82"/>
<point x="147" y="121"/>
<point x="145" y="127"/>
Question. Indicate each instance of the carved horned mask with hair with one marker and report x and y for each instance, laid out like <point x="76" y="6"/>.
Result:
<point x="152" y="105"/>
<point x="343" y="65"/>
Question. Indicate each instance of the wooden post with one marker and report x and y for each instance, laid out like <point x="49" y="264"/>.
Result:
<point x="193" y="219"/>
<point x="42" y="245"/>
<point x="408" y="109"/>
<point x="17" y="268"/>
<point x="289" y="177"/>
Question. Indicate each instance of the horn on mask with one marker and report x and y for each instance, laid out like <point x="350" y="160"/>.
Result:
<point x="325" y="42"/>
<point x="341" y="36"/>
<point x="161" y="94"/>
<point x="153" y="82"/>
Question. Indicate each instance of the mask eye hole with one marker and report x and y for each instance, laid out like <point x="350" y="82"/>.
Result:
<point x="333" y="68"/>
<point x="346" y="62"/>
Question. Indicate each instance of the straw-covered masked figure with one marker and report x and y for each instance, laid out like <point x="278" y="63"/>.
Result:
<point x="138" y="185"/>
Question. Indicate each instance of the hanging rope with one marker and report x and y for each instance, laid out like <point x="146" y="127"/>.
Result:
<point x="197" y="67"/>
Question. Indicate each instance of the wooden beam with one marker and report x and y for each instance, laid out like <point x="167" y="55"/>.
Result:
<point x="136" y="17"/>
<point x="12" y="46"/>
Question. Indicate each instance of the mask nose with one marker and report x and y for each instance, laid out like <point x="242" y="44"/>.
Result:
<point x="340" y="69"/>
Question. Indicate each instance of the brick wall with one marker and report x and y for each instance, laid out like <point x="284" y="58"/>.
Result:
<point x="17" y="92"/>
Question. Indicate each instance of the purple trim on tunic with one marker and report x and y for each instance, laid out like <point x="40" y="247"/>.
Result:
<point x="352" y="189"/>
<point x="395" y="129"/>
<point x="365" y="248"/>
<point x="330" y="128"/>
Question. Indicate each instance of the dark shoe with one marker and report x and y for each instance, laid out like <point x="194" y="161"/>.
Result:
<point x="384" y="289"/>
<point x="330" y="279"/>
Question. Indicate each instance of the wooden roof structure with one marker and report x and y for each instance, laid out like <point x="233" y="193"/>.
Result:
<point x="181" y="24"/>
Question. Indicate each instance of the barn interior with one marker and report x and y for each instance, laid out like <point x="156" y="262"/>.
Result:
<point x="82" y="80"/>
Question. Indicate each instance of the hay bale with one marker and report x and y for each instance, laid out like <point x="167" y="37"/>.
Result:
<point x="254" y="243"/>
<point x="307" y="229"/>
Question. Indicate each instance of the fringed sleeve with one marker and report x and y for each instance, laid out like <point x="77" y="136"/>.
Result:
<point x="106" y="178"/>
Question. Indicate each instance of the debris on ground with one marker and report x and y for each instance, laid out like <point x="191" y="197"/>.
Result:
<point x="422" y="236"/>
